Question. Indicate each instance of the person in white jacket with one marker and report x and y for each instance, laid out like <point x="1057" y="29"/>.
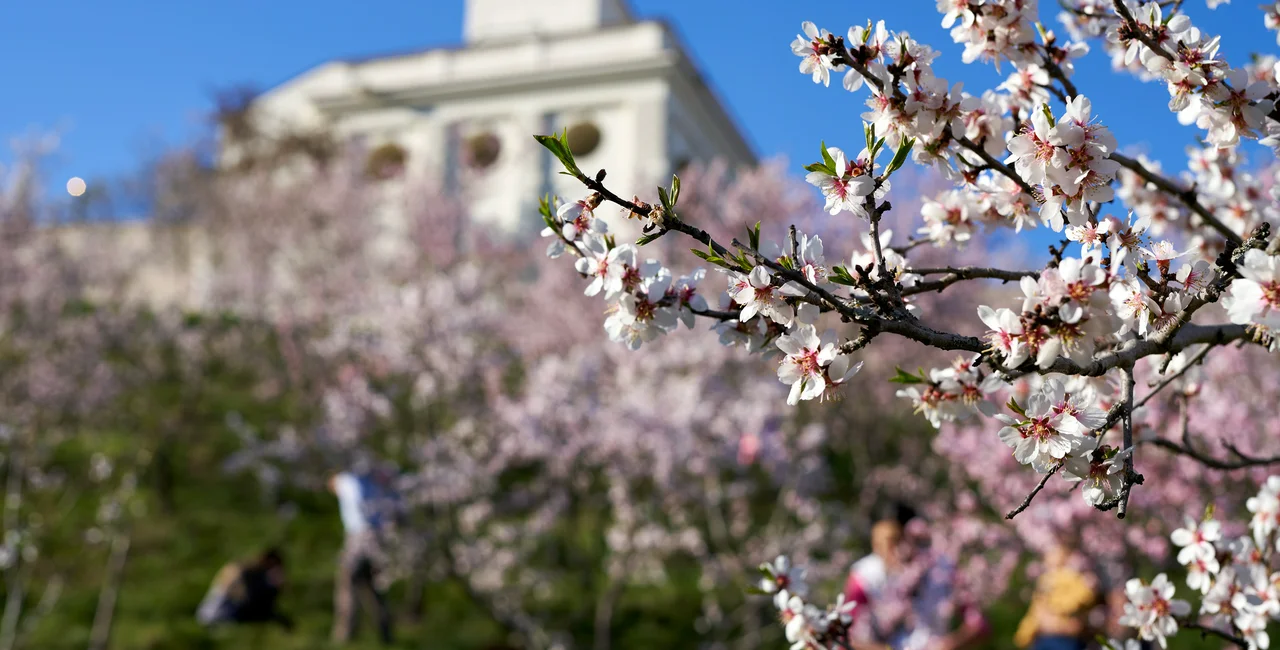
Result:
<point x="359" y="498"/>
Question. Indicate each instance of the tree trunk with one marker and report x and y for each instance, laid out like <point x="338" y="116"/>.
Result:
<point x="163" y="468"/>
<point x="604" y="616"/>
<point x="100" y="636"/>
<point x="48" y="599"/>
<point x="13" y="607"/>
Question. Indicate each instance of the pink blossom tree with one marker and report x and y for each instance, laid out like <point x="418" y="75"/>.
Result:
<point x="1051" y="379"/>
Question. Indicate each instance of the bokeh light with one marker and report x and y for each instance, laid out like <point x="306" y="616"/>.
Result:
<point x="76" y="186"/>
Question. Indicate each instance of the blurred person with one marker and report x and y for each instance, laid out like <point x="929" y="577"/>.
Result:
<point x="1058" y="618"/>
<point x="246" y="592"/>
<point x="905" y="592"/>
<point x="364" y="502"/>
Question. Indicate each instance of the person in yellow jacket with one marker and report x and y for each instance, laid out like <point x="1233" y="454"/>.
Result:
<point x="1058" y="616"/>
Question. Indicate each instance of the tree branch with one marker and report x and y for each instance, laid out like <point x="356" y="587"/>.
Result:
<point x="958" y="274"/>
<point x="1174" y="377"/>
<point x="1126" y="419"/>
<point x="1026" y="503"/>
<point x="1187" y="196"/>
<point x="1209" y="631"/>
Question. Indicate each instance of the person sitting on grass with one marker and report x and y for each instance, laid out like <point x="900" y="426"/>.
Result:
<point x="246" y="592"/>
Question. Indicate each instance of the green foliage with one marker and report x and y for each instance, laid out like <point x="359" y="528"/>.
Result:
<point x="900" y="156"/>
<point x="904" y="377"/>
<point x="558" y="145"/>
<point x="841" y="275"/>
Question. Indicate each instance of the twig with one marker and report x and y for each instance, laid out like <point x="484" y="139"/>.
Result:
<point x="1250" y="460"/>
<point x="1174" y="377"/>
<point x="1026" y="503"/>
<point x="1210" y="461"/>
<point x="954" y="275"/>
<point x="1126" y="420"/>
<point x="1209" y="631"/>
<point x="1186" y="196"/>
<point x="1138" y="31"/>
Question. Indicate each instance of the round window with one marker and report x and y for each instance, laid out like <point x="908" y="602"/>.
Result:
<point x="482" y="150"/>
<point x="387" y="161"/>
<point x="584" y="138"/>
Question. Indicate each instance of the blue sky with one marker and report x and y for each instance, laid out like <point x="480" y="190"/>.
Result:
<point x="126" y="78"/>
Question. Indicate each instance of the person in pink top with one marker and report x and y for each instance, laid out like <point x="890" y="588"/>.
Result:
<point x="905" y="592"/>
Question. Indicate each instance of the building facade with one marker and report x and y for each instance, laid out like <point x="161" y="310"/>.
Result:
<point x="463" y="118"/>
<point x="626" y="90"/>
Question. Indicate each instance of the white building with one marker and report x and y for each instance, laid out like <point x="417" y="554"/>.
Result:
<point x="632" y="100"/>
<point x="635" y="101"/>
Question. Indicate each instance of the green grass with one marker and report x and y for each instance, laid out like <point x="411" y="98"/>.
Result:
<point x="174" y="556"/>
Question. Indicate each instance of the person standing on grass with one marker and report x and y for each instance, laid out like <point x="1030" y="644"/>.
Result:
<point x="905" y="592"/>
<point x="1065" y="595"/>
<point x="364" y="505"/>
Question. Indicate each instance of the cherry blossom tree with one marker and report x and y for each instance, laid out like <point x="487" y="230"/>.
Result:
<point x="1051" y="376"/>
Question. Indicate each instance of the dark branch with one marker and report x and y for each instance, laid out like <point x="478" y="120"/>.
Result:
<point x="954" y="275"/>
<point x="1187" y="196"/>
<point x="1026" y="503"/>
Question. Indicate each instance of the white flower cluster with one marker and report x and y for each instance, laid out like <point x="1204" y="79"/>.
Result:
<point x="949" y="394"/>
<point x="646" y="300"/>
<point x="811" y="365"/>
<point x="1152" y="609"/>
<point x="993" y="30"/>
<point x="1235" y="578"/>
<point x="1255" y="297"/>
<point x="1068" y="159"/>
<point x="807" y="626"/>
<point x="1203" y="89"/>
<point x="1055" y="423"/>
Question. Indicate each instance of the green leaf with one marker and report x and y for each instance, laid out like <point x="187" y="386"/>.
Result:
<point x="675" y="190"/>
<point x="904" y="377"/>
<point x="827" y="159"/>
<point x="1048" y="114"/>
<point x="648" y="239"/>
<point x="841" y="275"/>
<point x="869" y="133"/>
<point x="711" y="257"/>
<point x="558" y="145"/>
<point x="753" y="235"/>
<point x="767" y="571"/>
<point x="756" y="591"/>
<point x="544" y="209"/>
<point x="666" y="200"/>
<point x="1015" y="407"/>
<point x="820" y="167"/>
<point x="900" y="156"/>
